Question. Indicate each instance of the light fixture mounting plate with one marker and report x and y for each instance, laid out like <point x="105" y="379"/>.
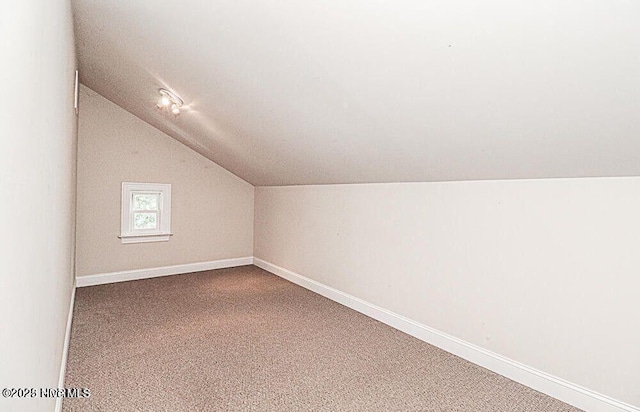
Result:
<point x="171" y="96"/>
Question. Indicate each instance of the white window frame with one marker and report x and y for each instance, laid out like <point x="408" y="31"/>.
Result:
<point x="128" y="234"/>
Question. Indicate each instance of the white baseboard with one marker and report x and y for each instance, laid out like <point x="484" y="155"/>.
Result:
<point x="543" y="382"/>
<point x="126" y="275"/>
<point x="65" y="348"/>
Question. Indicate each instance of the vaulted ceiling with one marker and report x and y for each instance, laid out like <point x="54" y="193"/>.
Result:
<point x="342" y="91"/>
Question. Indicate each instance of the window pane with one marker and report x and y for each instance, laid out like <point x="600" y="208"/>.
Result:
<point x="147" y="201"/>
<point x="145" y="221"/>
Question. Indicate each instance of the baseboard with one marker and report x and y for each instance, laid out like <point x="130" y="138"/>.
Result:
<point x="558" y="388"/>
<point x="126" y="275"/>
<point x="65" y="348"/>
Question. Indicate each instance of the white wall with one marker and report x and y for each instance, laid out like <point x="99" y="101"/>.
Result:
<point x="37" y="182"/>
<point x="212" y="209"/>
<point x="545" y="272"/>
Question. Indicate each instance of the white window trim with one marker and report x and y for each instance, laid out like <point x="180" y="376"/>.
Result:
<point x="127" y="233"/>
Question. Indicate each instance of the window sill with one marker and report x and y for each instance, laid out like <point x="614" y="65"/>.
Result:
<point x="164" y="237"/>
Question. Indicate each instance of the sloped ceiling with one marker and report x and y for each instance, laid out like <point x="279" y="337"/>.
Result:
<point x="302" y="92"/>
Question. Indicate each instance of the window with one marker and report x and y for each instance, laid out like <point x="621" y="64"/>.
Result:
<point x="146" y="212"/>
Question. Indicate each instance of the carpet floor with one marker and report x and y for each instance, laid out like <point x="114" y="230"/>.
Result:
<point x="244" y="339"/>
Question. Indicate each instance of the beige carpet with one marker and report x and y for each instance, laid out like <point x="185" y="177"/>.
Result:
<point x="243" y="339"/>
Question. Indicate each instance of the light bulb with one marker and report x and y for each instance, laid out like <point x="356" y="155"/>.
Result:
<point x="164" y="101"/>
<point x="175" y="109"/>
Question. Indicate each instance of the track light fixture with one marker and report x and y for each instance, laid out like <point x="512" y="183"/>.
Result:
<point x="169" y="101"/>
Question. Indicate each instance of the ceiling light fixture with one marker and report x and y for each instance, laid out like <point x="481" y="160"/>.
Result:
<point x="170" y="101"/>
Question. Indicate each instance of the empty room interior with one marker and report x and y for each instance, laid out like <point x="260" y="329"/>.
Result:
<point x="339" y="205"/>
